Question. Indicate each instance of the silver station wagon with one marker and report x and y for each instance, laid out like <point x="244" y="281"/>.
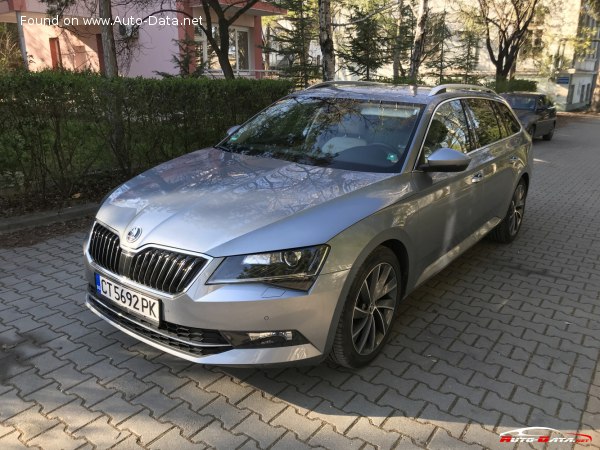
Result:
<point x="296" y="237"/>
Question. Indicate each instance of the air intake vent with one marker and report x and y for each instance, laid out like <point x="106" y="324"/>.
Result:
<point x="156" y="268"/>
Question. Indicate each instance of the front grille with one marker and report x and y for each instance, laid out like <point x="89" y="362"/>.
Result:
<point x="156" y="268"/>
<point x="105" y="248"/>
<point x="194" y="341"/>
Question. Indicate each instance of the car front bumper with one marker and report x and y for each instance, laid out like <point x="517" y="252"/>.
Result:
<point x="217" y="309"/>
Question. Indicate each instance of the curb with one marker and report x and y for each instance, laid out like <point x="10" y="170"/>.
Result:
<point x="46" y="218"/>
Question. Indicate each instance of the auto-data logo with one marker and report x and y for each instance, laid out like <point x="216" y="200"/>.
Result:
<point x="543" y="434"/>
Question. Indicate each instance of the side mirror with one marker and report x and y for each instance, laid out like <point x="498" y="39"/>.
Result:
<point x="445" y="160"/>
<point x="233" y="129"/>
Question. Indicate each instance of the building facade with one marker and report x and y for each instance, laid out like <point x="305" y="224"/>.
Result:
<point x="145" y="50"/>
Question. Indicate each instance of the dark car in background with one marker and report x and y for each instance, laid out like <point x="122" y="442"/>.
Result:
<point x="536" y="112"/>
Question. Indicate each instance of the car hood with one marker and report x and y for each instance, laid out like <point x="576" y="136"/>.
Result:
<point x="220" y="203"/>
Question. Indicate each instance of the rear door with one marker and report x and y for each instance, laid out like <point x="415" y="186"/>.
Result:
<point x="495" y="156"/>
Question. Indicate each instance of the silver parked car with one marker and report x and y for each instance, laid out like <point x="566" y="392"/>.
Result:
<point x="296" y="237"/>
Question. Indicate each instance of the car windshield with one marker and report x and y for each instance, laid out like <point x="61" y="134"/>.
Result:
<point x="521" y="101"/>
<point x="334" y="132"/>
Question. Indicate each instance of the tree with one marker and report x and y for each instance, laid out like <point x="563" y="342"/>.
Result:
<point x="419" y="41"/>
<point x="368" y="47"/>
<point x="506" y="24"/>
<point x="437" y="53"/>
<point x="595" y="106"/>
<point x="10" y="54"/>
<point x="466" y="51"/>
<point x="109" y="48"/>
<point x="293" y="40"/>
<point x="401" y="29"/>
<point x="326" y="40"/>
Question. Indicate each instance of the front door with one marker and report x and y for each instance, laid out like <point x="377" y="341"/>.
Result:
<point x="448" y="201"/>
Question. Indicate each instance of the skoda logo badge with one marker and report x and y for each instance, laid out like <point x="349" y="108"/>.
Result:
<point x="134" y="234"/>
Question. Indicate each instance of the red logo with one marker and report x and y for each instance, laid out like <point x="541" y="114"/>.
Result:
<point x="543" y="434"/>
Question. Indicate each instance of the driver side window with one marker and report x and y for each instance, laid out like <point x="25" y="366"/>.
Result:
<point x="448" y="128"/>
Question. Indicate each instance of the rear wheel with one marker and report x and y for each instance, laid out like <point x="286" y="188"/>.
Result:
<point x="507" y="230"/>
<point x="548" y="136"/>
<point x="369" y="310"/>
<point x="531" y="131"/>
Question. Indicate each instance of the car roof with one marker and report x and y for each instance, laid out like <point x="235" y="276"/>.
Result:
<point x="388" y="92"/>
<point x="523" y="94"/>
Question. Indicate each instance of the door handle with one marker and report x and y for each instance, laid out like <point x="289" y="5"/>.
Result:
<point x="477" y="177"/>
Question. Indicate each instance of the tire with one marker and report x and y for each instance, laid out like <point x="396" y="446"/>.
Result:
<point x="531" y="131"/>
<point x="548" y="136"/>
<point x="366" y="319"/>
<point x="507" y="230"/>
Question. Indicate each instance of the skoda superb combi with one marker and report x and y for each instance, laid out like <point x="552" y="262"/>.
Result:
<point x="296" y="237"/>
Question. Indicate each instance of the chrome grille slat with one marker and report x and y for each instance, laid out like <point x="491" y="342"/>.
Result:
<point x="142" y="268"/>
<point x="170" y="274"/>
<point x="152" y="258"/>
<point x="180" y="270"/>
<point x="156" y="268"/>
<point x="105" y="248"/>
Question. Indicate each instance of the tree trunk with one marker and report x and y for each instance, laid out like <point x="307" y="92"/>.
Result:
<point x="326" y="40"/>
<point x="501" y="77"/>
<point x="109" y="48"/>
<point x="115" y="102"/>
<point x="398" y="39"/>
<point x="223" y="51"/>
<point x="419" y="42"/>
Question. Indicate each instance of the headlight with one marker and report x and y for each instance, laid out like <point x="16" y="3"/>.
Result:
<point x="295" y="268"/>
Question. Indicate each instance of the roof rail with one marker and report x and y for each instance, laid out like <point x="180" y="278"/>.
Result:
<point x="442" y="88"/>
<point x="344" y="83"/>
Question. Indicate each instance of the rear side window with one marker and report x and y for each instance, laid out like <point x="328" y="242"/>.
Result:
<point x="511" y="124"/>
<point x="448" y="128"/>
<point x="484" y="121"/>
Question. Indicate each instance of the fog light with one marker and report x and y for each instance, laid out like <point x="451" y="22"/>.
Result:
<point x="258" y="339"/>
<point x="286" y="335"/>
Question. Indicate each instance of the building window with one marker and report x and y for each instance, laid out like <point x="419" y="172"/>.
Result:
<point x="239" y="48"/>
<point x="55" y="54"/>
<point x="80" y="57"/>
<point x="588" y="92"/>
<point x="534" y="42"/>
<point x="570" y="94"/>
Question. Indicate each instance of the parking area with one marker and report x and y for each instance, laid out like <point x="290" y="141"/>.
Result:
<point x="506" y="337"/>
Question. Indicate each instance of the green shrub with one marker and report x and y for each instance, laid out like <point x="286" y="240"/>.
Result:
<point x="514" y="85"/>
<point x="59" y="127"/>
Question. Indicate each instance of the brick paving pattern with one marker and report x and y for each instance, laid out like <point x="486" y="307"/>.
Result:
<point x="506" y="337"/>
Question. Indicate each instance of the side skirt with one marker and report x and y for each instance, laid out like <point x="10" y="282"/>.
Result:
<point x="455" y="252"/>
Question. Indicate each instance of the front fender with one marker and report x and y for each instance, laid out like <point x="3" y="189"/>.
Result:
<point x="395" y="226"/>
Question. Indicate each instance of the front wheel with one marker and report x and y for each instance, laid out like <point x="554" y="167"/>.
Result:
<point x="507" y="230"/>
<point x="369" y="310"/>
<point x="548" y="136"/>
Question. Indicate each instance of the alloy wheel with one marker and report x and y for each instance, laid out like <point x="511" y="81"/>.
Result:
<point x="374" y="308"/>
<point x="517" y="207"/>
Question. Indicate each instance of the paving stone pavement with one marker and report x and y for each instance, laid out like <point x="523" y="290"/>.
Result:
<point x="506" y="337"/>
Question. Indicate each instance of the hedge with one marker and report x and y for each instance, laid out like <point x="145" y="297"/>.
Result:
<point x="514" y="85"/>
<point x="58" y="128"/>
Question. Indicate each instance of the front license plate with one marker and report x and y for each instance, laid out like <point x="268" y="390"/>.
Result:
<point x="133" y="301"/>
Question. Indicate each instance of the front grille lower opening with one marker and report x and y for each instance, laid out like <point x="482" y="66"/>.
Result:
<point x="194" y="341"/>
